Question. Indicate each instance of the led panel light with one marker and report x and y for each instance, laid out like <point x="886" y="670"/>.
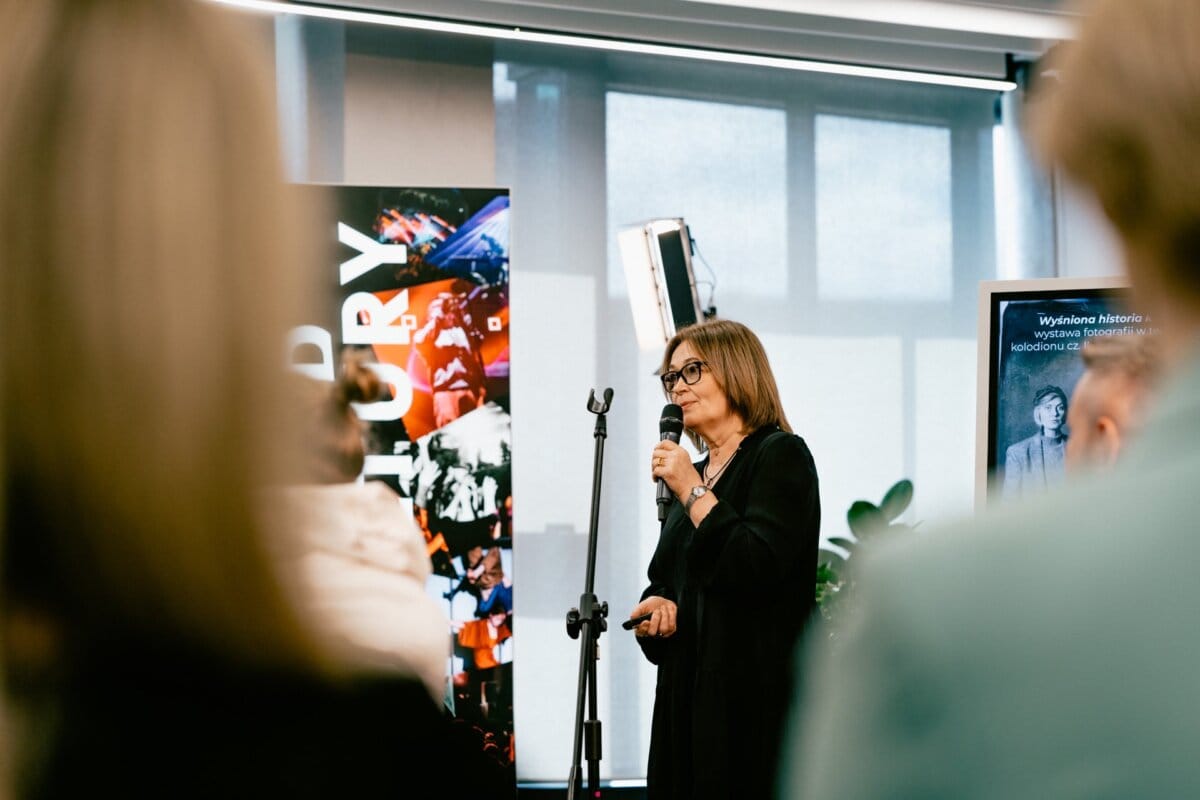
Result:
<point x="657" y="259"/>
<point x="647" y="299"/>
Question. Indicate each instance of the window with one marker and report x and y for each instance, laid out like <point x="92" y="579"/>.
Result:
<point x="720" y="166"/>
<point x="884" y="228"/>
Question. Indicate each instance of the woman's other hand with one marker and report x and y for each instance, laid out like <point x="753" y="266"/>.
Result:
<point x="662" y="617"/>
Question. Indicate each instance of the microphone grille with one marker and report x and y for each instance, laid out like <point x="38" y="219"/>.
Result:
<point x="672" y="419"/>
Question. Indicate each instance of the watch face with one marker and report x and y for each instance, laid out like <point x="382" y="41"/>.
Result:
<point x="699" y="491"/>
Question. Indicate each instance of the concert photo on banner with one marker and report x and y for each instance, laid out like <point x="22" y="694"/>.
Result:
<point x="419" y="290"/>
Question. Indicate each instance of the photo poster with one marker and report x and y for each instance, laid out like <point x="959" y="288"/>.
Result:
<point x="420" y="291"/>
<point x="1034" y="363"/>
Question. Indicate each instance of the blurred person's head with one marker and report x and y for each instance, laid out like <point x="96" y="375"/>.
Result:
<point x="722" y="373"/>
<point x="1109" y="401"/>
<point x="152" y="261"/>
<point x="331" y="433"/>
<point x="1050" y="411"/>
<point x="1122" y="118"/>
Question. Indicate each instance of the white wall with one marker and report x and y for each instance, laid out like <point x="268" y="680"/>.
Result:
<point x="418" y="123"/>
<point x="1087" y="244"/>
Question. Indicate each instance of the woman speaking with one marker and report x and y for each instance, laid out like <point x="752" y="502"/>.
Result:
<point x="732" y="581"/>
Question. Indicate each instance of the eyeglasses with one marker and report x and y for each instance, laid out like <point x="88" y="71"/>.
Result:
<point x="690" y="372"/>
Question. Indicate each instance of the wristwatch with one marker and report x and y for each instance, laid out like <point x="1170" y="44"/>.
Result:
<point x="698" y="491"/>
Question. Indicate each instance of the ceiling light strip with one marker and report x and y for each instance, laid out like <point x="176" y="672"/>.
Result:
<point x="618" y="45"/>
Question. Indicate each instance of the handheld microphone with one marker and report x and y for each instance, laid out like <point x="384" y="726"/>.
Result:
<point x="669" y="427"/>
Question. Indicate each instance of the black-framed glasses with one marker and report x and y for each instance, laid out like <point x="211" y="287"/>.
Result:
<point x="690" y="372"/>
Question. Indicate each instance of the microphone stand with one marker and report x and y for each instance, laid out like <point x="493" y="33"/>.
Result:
<point x="590" y="620"/>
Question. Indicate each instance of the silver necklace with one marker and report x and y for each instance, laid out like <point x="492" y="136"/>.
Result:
<point x="709" y="480"/>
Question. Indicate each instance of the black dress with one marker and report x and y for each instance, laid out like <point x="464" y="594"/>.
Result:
<point x="744" y="583"/>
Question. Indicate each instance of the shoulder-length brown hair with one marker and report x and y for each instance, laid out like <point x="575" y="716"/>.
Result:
<point x="738" y="362"/>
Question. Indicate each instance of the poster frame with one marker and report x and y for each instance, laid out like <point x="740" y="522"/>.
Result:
<point x="991" y="293"/>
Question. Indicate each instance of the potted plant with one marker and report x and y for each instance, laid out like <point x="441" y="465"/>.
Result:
<point x="867" y="521"/>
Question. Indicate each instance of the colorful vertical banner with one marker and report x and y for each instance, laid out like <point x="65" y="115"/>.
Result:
<point x="420" y="291"/>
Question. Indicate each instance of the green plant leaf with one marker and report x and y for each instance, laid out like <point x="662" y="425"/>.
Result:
<point x="897" y="499"/>
<point x="835" y="560"/>
<point x="864" y="519"/>
<point x="839" y="541"/>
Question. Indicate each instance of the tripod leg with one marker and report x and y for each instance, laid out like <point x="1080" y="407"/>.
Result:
<point x="575" y="783"/>
<point x="593" y="723"/>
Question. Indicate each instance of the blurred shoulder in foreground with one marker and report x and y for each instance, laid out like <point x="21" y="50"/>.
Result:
<point x="1030" y="653"/>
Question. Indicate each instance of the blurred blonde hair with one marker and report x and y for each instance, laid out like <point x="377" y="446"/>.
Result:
<point x="1123" y="119"/>
<point x="738" y="362"/>
<point x="1136" y="357"/>
<point x="152" y="260"/>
